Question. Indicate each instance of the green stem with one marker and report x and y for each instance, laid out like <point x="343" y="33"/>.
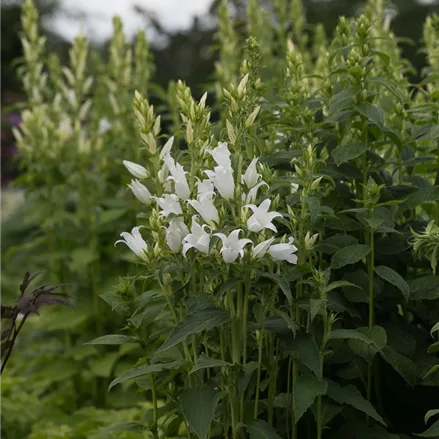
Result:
<point x="371" y="267"/>
<point x="258" y="380"/>
<point x="155" y="408"/>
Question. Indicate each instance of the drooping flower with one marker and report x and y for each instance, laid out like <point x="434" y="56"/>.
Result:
<point x="232" y="246"/>
<point x="261" y="218"/>
<point x="284" y="252"/>
<point x="175" y="233"/>
<point x="137" y="170"/>
<point x="252" y="193"/>
<point x="178" y="174"/>
<point x="222" y="179"/>
<point x="198" y="238"/>
<point x="221" y="155"/>
<point x="251" y="176"/>
<point x="135" y="242"/>
<point x="205" y="188"/>
<point x="140" y="191"/>
<point x="262" y="248"/>
<point x="205" y="207"/>
<point x="169" y="204"/>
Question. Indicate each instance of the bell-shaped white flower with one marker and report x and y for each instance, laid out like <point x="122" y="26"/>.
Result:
<point x="284" y="252"/>
<point x="140" y="191"/>
<point x="222" y="179"/>
<point x="178" y="174"/>
<point x="262" y="248"/>
<point x="232" y="246"/>
<point x="205" y="207"/>
<point x="167" y="147"/>
<point x="198" y="238"/>
<point x="251" y="176"/>
<point x="252" y="193"/>
<point x="169" y="204"/>
<point x="205" y="188"/>
<point x="137" y="170"/>
<point x="221" y="155"/>
<point x="175" y="233"/>
<point x="135" y="242"/>
<point x="261" y="218"/>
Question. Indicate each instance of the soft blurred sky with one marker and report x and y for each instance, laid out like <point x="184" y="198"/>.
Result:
<point x="172" y="14"/>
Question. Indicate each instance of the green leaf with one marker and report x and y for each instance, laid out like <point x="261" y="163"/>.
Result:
<point x="114" y="339"/>
<point x="351" y="395"/>
<point x="332" y="244"/>
<point x="401" y="364"/>
<point x="125" y="426"/>
<point x="378" y="339"/>
<point x="198" y="405"/>
<point x="340" y="284"/>
<point x="261" y="430"/>
<point x="349" y="255"/>
<point x="424" y="288"/>
<point x="283" y="284"/>
<point x="430" y="414"/>
<point x="204" y="363"/>
<point x="434" y="329"/>
<point x="432" y="432"/>
<point x="228" y="284"/>
<point x="372" y="113"/>
<point x="433" y="348"/>
<point x="424" y="195"/>
<point x="433" y="370"/>
<point x="194" y="323"/>
<point x="315" y="306"/>
<point x="102" y="366"/>
<point x="347" y="152"/>
<point x="244" y="379"/>
<point x="111" y="215"/>
<point x="349" y="334"/>
<point x="144" y="370"/>
<point x="306" y="389"/>
<point x="308" y="353"/>
<point x="394" y="278"/>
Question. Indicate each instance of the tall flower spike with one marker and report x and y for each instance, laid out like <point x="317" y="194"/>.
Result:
<point x="232" y="246"/>
<point x="251" y="176"/>
<point x="135" y="242"/>
<point x="221" y="155"/>
<point x="198" y="238"/>
<point x="140" y="191"/>
<point x="222" y="178"/>
<point x="169" y="204"/>
<point x="178" y="174"/>
<point x="137" y="170"/>
<point x="284" y="252"/>
<point x="175" y="233"/>
<point x="261" y="218"/>
<point x="205" y="207"/>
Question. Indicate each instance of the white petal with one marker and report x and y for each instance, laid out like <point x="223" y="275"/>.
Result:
<point x="137" y="170"/>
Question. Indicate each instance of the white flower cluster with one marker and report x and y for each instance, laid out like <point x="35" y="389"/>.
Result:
<point x="219" y="180"/>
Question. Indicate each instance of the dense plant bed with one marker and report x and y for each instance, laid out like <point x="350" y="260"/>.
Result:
<point x="283" y="228"/>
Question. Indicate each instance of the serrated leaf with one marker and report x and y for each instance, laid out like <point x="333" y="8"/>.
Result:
<point x="351" y="395"/>
<point x="144" y="370"/>
<point x="340" y="284"/>
<point x="394" y="278"/>
<point x="372" y="113"/>
<point x="198" y="405"/>
<point x="378" y="337"/>
<point x="349" y="255"/>
<point x="244" y="379"/>
<point x="424" y="288"/>
<point x="332" y="244"/>
<point x="308" y="353"/>
<point x="401" y="364"/>
<point x="261" y="430"/>
<point x="204" y="363"/>
<point x="349" y="334"/>
<point x="114" y="339"/>
<point x="424" y="195"/>
<point x="194" y="323"/>
<point x="344" y="153"/>
<point x="315" y="306"/>
<point x="283" y="284"/>
<point x="306" y="389"/>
